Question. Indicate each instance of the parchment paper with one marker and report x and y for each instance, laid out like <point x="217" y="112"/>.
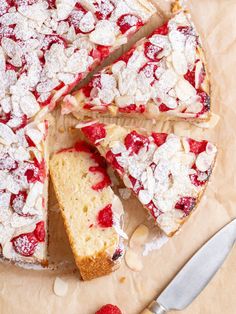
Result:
<point x="30" y="291"/>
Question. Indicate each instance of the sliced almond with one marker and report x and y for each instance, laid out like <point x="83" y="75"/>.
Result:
<point x="204" y="161"/>
<point x="7" y="136"/>
<point x="179" y="62"/>
<point x="214" y="119"/>
<point x="133" y="260"/>
<point x="184" y="90"/>
<point x="60" y="287"/>
<point x="139" y="236"/>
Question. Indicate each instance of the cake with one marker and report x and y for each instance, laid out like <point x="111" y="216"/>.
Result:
<point x="166" y="172"/>
<point x="163" y="77"/>
<point x="91" y="211"/>
<point x="47" y="47"/>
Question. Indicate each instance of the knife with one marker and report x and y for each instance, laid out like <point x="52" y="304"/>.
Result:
<point x="196" y="273"/>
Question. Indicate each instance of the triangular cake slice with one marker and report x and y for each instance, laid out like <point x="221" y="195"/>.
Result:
<point x="167" y="173"/>
<point x="163" y="76"/>
<point x="91" y="211"/>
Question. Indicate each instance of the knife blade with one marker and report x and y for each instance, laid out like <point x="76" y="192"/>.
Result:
<point x="196" y="273"/>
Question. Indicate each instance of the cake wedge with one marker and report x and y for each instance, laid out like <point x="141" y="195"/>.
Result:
<point x="91" y="211"/>
<point x="163" y="77"/>
<point x="166" y="172"/>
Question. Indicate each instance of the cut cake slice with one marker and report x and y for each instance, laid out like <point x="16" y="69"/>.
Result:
<point x="167" y="173"/>
<point x="163" y="76"/>
<point x="91" y="211"/>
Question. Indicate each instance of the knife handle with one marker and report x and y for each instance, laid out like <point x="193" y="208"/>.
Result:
<point x="154" y="308"/>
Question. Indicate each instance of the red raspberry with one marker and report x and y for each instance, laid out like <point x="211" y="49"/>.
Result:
<point x="109" y="309"/>
<point x="159" y="138"/>
<point x="39" y="231"/>
<point x="152" y="51"/>
<point x="94" y="132"/>
<point x="105" y="181"/>
<point x="127" y="21"/>
<point x="105" y="217"/>
<point x="25" y="244"/>
<point x="197" y="147"/>
<point x="162" y="30"/>
<point x="134" y="142"/>
<point x="186" y="204"/>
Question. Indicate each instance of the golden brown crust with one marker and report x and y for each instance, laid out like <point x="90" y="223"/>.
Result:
<point x="94" y="266"/>
<point x="90" y="267"/>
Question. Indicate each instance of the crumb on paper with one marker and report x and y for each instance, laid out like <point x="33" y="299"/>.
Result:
<point x="125" y="193"/>
<point x="122" y="279"/>
<point x="61" y="129"/>
<point x="155" y="244"/>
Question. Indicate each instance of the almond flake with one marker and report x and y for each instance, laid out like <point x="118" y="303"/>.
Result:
<point x="179" y="62"/>
<point x="60" y="287"/>
<point x="133" y="260"/>
<point x="139" y="236"/>
<point x="97" y="36"/>
<point x="7" y="136"/>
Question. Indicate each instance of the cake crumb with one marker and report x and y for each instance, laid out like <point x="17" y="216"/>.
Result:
<point x="122" y="279"/>
<point x="61" y="129"/>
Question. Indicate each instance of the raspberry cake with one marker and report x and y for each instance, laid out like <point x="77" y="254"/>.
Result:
<point x="167" y="173"/>
<point x="46" y="48"/>
<point x="23" y="192"/>
<point x="163" y="76"/>
<point x="92" y="212"/>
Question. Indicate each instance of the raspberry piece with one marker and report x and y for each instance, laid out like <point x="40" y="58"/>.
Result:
<point x="190" y="77"/>
<point x="134" y="142"/>
<point x="133" y="108"/>
<point x="127" y="55"/>
<point x="106" y="181"/>
<point x="36" y="171"/>
<point x="19" y="3"/>
<point x="127" y="21"/>
<point x="186" y="204"/>
<point x="159" y="138"/>
<point x="164" y="108"/>
<point x="151" y="51"/>
<point x="111" y="158"/>
<point x="25" y="244"/>
<point x="109" y="309"/>
<point x="162" y="30"/>
<point x="94" y="132"/>
<point x="101" y="52"/>
<point x="83" y="147"/>
<point x="18" y="202"/>
<point x="39" y="231"/>
<point x="105" y="217"/>
<point x="199" y="178"/>
<point x="197" y="147"/>
<point x="186" y="30"/>
<point x="104" y="9"/>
